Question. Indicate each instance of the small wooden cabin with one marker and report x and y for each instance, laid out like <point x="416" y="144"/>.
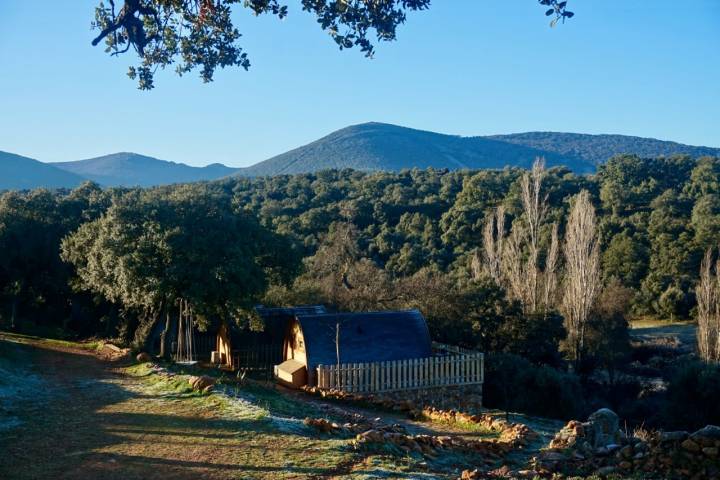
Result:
<point x="264" y="346"/>
<point x="313" y="340"/>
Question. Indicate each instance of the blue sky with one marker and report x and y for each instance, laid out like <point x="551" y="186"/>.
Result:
<point x="467" y="67"/>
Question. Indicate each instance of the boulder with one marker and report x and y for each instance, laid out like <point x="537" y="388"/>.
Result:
<point x="711" y="452"/>
<point x="605" y="428"/>
<point x="201" y="383"/>
<point x="605" y="471"/>
<point x="709" y="432"/>
<point x="143" y="357"/>
<point x="690" y="446"/>
<point x="673" y="436"/>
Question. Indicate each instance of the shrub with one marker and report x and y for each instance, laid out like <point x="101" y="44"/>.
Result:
<point x="515" y="384"/>
<point x="693" y="395"/>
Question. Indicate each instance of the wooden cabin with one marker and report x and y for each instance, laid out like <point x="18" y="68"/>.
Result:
<point x="316" y="339"/>
<point x="242" y="347"/>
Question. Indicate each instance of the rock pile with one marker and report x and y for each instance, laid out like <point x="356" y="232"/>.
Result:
<point x="416" y="405"/>
<point x="578" y="450"/>
<point x="424" y="405"/>
<point x="334" y="428"/>
<point x="503" y="472"/>
<point x="430" y="446"/>
<point x="516" y="434"/>
<point x="512" y="436"/>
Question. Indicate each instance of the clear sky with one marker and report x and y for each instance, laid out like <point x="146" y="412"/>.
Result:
<point x="467" y="67"/>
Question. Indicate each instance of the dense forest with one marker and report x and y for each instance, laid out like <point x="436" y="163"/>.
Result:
<point x="114" y="262"/>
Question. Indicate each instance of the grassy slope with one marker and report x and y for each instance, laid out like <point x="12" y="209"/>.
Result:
<point x="73" y="417"/>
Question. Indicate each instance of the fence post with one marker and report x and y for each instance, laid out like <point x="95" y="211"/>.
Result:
<point x="379" y="366"/>
<point x="355" y="380"/>
<point x="482" y="368"/>
<point x="453" y="365"/>
<point x="406" y="371"/>
<point x="414" y="376"/>
<point x="367" y="370"/>
<point x="473" y="367"/>
<point x="447" y="369"/>
<point x="396" y="375"/>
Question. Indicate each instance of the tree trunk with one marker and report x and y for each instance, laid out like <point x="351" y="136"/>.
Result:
<point x="143" y="333"/>
<point x="165" y="335"/>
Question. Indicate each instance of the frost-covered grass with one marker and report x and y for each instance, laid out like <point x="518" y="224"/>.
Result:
<point x="18" y="385"/>
<point x="24" y="339"/>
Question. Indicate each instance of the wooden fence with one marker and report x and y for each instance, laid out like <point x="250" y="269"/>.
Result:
<point x="257" y="357"/>
<point x="203" y="344"/>
<point x="439" y="371"/>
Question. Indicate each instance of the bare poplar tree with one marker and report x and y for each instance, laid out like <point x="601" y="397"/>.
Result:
<point x="515" y="269"/>
<point x="582" y="267"/>
<point x="707" y="309"/>
<point x="550" y="275"/>
<point x="535" y="208"/>
<point x="513" y="261"/>
<point x="493" y="237"/>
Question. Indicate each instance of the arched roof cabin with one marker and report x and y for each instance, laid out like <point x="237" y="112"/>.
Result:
<point x="230" y="337"/>
<point x="362" y="338"/>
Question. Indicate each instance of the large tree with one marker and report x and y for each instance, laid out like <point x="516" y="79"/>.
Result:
<point x="582" y="272"/>
<point x="153" y="248"/>
<point x="201" y="33"/>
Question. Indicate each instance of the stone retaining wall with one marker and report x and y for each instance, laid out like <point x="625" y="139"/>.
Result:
<point x="666" y="455"/>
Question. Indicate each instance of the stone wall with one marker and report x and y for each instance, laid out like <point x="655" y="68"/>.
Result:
<point x="467" y="399"/>
<point x="578" y="449"/>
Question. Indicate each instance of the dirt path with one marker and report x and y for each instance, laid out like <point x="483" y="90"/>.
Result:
<point x="79" y="417"/>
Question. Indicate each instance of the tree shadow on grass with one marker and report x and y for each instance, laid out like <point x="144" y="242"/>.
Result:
<point x="146" y="467"/>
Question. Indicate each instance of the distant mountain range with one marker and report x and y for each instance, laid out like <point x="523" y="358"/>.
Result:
<point x="131" y="169"/>
<point x="379" y="146"/>
<point x="368" y="146"/>
<point x="20" y="173"/>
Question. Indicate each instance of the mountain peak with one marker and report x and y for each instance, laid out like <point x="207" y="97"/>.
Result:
<point x="384" y="146"/>
<point x="133" y="169"/>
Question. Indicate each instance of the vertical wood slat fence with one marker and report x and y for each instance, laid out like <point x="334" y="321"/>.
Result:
<point x="203" y="344"/>
<point x="257" y="357"/>
<point x="440" y="371"/>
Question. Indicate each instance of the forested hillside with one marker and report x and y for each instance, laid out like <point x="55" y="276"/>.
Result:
<point x="656" y="218"/>
<point x="595" y="149"/>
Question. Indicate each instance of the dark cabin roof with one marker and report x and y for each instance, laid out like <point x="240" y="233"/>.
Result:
<point x="365" y="337"/>
<point x="271" y="313"/>
<point x="275" y="322"/>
